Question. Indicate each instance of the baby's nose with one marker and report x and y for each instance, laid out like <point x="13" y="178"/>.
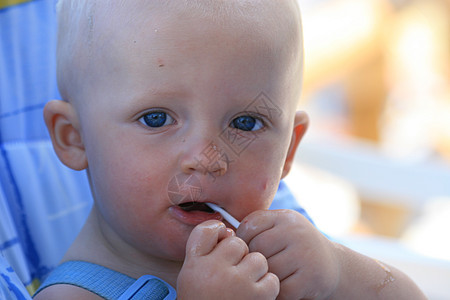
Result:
<point x="207" y="159"/>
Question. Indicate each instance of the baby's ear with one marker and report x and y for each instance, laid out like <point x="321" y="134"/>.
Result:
<point x="62" y="123"/>
<point x="301" y="122"/>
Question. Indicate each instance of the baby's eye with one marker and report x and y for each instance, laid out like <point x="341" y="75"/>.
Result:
<point x="247" y="123"/>
<point x="156" y="119"/>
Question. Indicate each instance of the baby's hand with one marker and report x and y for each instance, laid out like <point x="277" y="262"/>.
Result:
<point x="218" y="265"/>
<point x="302" y="258"/>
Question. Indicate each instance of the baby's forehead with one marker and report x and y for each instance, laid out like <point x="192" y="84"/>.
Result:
<point x="93" y="29"/>
<point x="268" y="14"/>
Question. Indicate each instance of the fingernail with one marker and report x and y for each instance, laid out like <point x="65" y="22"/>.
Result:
<point x="231" y="232"/>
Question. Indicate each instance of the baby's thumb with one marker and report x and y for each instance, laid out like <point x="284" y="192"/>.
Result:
<point x="204" y="238"/>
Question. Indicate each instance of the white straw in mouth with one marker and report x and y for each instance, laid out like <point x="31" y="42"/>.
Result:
<point x="235" y="223"/>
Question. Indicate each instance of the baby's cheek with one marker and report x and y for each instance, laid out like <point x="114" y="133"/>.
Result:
<point x="261" y="194"/>
<point x="269" y="188"/>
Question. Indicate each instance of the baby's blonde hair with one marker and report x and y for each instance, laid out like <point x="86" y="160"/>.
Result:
<point x="75" y="18"/>
<point x="77" y="36"/>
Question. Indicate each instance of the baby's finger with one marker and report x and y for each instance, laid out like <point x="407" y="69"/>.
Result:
<point x="255" y="223"/>
<point x="283" y="265"/>
<point x="268" y="287"/>
<point x="204" y="238"/>
<point x="269" y="242"/>
<point x="295" y="288"/>
<point x="233" y="249"/>
<point x="255" y="264"/>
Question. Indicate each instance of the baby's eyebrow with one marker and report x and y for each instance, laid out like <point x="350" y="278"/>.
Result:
<point x="162" y="93"/>
<point x="263" y="105"/>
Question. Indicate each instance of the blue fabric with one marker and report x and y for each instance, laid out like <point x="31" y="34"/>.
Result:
<point x="146" y="286"/>
<point x="27" y="69"/>
<point x="284" y="199"/>
<point x="43" y="204"/>
<point x="11" y="288"/>
<point x="107" y="283"/>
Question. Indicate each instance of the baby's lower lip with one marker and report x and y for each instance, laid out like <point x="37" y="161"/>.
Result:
<point x="194" y="217"/>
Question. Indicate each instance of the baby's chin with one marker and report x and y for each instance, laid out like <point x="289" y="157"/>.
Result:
<point x="176" y="251"/>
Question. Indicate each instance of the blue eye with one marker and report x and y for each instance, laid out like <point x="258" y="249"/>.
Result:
<point x="156" y="119"/>
<point x="247" y="123"/>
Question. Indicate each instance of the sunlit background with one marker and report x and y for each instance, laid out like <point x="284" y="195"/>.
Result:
<point x="374" y="168"/>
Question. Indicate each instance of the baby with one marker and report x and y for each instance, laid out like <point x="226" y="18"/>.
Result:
<point x="172" y="104"/>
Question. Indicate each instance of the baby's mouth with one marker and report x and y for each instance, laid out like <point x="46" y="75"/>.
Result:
<point x="195" y="206"/>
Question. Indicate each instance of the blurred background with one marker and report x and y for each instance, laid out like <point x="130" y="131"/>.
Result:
<point x="374" y="168"/>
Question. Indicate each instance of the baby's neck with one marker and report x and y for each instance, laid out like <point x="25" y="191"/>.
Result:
<point x="91" y="245"/>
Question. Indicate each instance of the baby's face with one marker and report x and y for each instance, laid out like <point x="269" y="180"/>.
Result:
<point x="185" y="111"/>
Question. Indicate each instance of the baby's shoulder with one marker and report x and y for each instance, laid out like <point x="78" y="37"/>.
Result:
<point x="67" y="292"/>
